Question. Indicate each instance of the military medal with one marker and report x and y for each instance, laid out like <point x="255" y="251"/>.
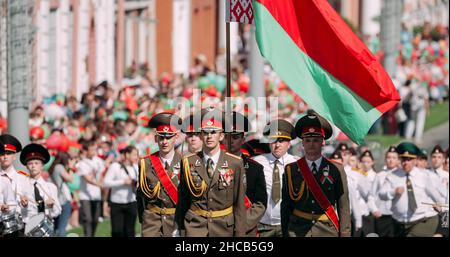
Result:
<point x="326" y="176"/>
<point x="225" y="165"/>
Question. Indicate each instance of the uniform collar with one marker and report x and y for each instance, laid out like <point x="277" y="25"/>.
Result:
<point x="215" y="157"/>
<point x="282" y="159"/>
<point x="412" y="172"/>
<point x="10" y="172"/>
<point x="168" y="158"/>
<point x="318" y="162"/>
<point x="40" y="180"/>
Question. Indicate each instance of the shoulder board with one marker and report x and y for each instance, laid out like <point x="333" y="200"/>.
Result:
<point x="360" y="171"/>
<point x="334" y="162"/>
<point x="232" y="155"/>
<point x="189" y="155"/>
<point x="145" y="156"/>
<point x="21" y="172"/>
<point x="253" y="161"/>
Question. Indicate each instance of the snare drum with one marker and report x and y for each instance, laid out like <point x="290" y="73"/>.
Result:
<point x="11" y="222"/>
<point x="39" y="225"/>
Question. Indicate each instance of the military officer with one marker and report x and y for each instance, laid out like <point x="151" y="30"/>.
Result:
<point x="280" y="133"/>
<point x="256" y="199"/>
<point x="159" y="178"/>
<point x="384" y="225"/>
<point x="192" y="132"/>
<point x="212" y="191"/>
<point x="408" y="188"/>
<point x="315" y="193"/>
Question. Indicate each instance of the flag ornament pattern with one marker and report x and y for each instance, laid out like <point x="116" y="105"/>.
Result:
<point x="239" y="11"/>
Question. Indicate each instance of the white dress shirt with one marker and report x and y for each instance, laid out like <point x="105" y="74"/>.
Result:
<point x="47" y="191"/>
<point x="371" y="198"/>
<point x="444" y="181"/>
<point x="115" y="179"/>
<point x="317" y="162"/>
<point x="272" y="215"/>
<point x="362" y="191"/>
<point x="6" y="192"/>
<point x="384" y="206"/>
<point x="422" y="192"/>
<point x="436" y="183"/>
<point x="93" y="167"/>
<point x="17" y="183"/>
<point x="215" y="159"/>
<point x="168" y="159"/>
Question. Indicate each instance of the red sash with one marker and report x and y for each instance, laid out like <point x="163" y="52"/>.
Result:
<point x="317" y="192"/>
<point x="248" y="203"/>
<point x="164" y="178"/>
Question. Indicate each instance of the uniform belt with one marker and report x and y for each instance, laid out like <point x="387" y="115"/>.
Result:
<point x="310" y="216"/>
<point x="162" y="211"/>
<point x="212" y="214"/>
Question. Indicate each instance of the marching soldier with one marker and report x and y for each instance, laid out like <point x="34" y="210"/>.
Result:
<point x="256" y="199"/>
<point x="159" y="178"/>
<point x="367" y="163"/>
<point x="212" y="190"/>
<point x="315" y="193"/>
<point x="192" y="133"/>
<point x="38" y="195"/>
<point x="440" y="177"/>
<point x="408" y="189"/>
<point x="384" y="225"/>
<point x="280" y="133"/>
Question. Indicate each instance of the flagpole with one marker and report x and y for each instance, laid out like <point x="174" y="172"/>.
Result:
<point x="228" y="95"/>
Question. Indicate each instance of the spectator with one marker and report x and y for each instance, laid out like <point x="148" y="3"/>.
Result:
<point x="60" y="175"/>
<point x="121" y="178"/>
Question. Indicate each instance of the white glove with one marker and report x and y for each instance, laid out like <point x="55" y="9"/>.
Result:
<point x="176" y="233"/>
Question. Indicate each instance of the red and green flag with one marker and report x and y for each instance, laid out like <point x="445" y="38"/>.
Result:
<point x="318" y="56"/>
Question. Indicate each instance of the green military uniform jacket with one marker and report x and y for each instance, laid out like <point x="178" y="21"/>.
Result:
<point x="156" y="224"/>
<point x="335" y="189"/>
<point x="225" y="190"/>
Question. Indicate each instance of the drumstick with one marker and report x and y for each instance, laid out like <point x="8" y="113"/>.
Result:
<point x="28" y="199"/>
<point x="436" y="204"/>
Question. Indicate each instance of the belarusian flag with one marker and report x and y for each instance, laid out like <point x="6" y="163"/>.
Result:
<point x="314" y="51"/>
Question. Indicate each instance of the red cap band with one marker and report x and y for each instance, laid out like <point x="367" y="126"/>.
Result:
<point x="212" y="124"/>
<point x="313" y="130"/>
<point x="166" y="129"/>
<point x="10" y="148"/>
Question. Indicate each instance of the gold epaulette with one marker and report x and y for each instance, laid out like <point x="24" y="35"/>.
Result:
<point x="195" y="191"/>
<point x="189" y="155"/>
<point x="364" y="173"/>
<point x="145" y="156"/>
<point x="21" y="172"/>
<point x="232" y="155"/>
<point x="295" y="196"/>
<point x="143" y="185"/>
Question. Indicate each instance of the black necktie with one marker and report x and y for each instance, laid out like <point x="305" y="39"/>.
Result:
<point x="314" y="168"/>
<point x="276" y="184"/>
<point x="167" y="168"/>
<point x="38" y="198"/>
<point x="412" y="205"/>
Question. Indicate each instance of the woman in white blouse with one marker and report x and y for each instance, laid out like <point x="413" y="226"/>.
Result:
<point x="122" y="179"/>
